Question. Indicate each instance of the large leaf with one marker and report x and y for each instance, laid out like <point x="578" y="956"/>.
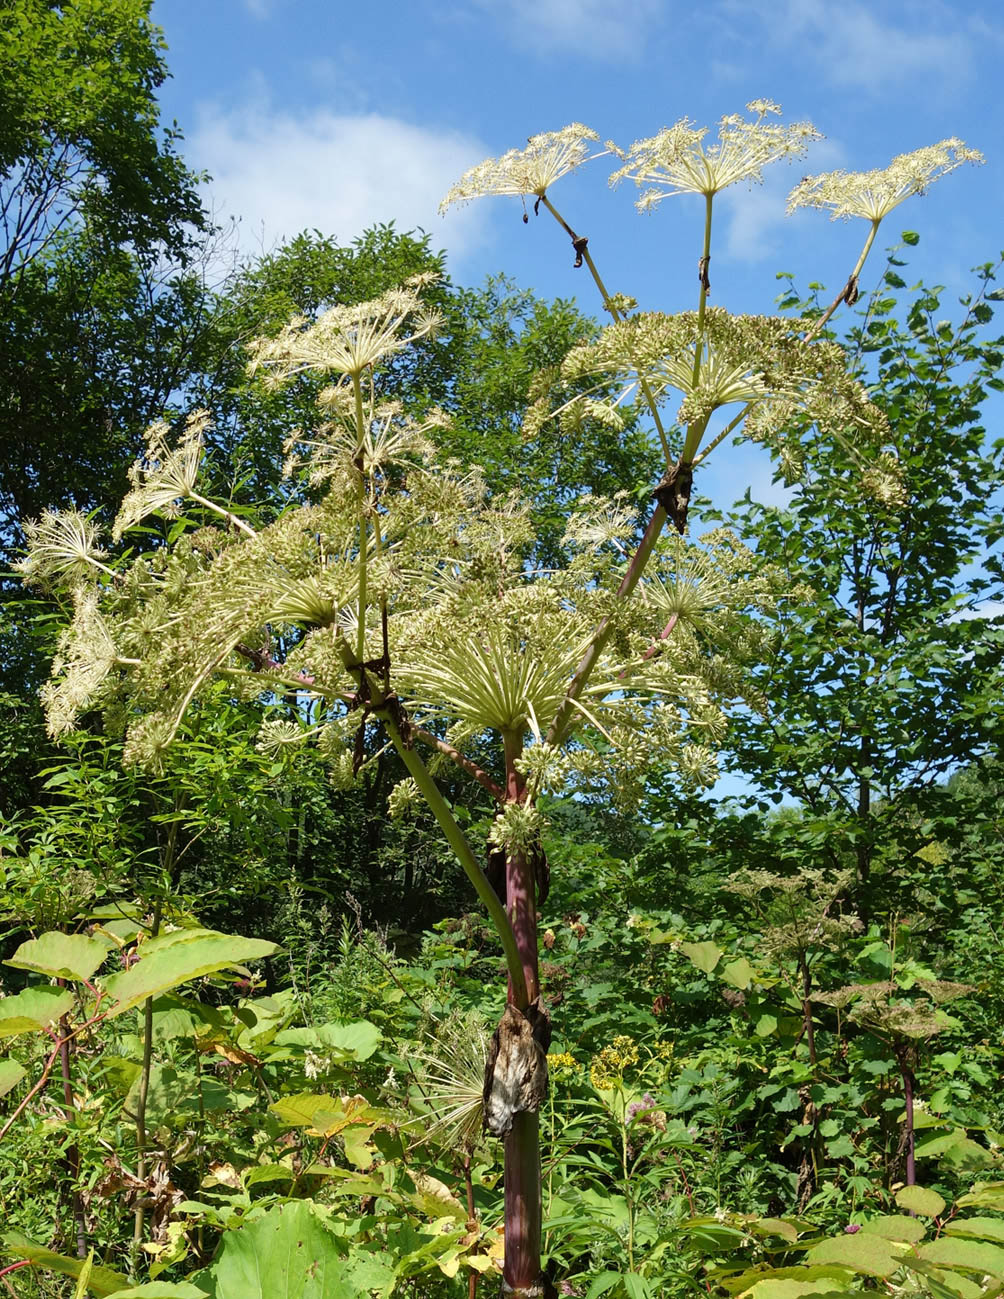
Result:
<point x="33" y="1009"/>
<point x="101" y="1281"/>
<point x="161" y="1290"/>
<point x="168" y="961"/>
<point x="739" y="973"/>
<point x="704" y="955"/>
<point x="870" y="1255"/>
<point x="287" y="1253"/>
<point x="11" y="1074"/>
<point x="918" y="1199"/>
<point x="824" y="1287"/>
<point x="974" y="1255"/>
<point x="61" y="956"/>
<point x="354" y="1041"/>
<point x="325" y="1115"/>
<point x="983" y="1228"/>
<point x="984" y="1195"/>
<point x="895" y="1226"/>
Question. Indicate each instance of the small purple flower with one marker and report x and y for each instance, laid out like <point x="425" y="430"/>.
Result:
<point x="851" y="1228"/>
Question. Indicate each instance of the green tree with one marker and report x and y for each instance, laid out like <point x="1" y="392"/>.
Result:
<point x="884" y="674"/>
<point x="95" y="203"/>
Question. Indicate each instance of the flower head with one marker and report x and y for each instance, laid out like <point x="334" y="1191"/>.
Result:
<point x="533" y="170"/>
<point x="676" y="160"/>
<point x="164" y="474"/>
<point x="873" y="194"/>
<point x="347" y="340"/>
<point x="61" y="546"/>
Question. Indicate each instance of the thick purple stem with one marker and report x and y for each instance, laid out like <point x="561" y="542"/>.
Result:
<point x="521" y="1274"/>
<point x="911" y="1170"/>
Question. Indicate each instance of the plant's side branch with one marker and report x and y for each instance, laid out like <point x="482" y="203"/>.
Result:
<point x="472" y="768"/>
<point x="581" y="245"/>
<point x="849" y="293"/>
<point x="562" y="718"/>
<point x="391" y="714"/>
<point x="47" y="1068"/>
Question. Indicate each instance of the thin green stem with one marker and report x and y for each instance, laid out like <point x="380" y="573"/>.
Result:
<point x="625" y="1165"/>
<point x="357" y="392"/>
<point x="729" y="428"/>
<point x="849" y="288"/>
<point x="702" y="300"/>
<point x="608" y="304"/>
<point x="465" y="856"/>
<point x="224" y="513"/>
<point x="562" y="718"/>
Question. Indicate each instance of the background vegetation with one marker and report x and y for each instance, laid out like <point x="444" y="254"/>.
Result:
<point x="778" y="1045"/>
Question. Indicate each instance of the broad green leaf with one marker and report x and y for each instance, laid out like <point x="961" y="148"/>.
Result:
<point x="984" y="1228"/>
<point x="287" y="1253"/>
<point x="739" y="973"/>
<point x="895" y="1226"/>
<point x="358" y="1150"/>
<point x="602" y="1283"/>
<point x="167" y="965"/>
<point x="80" y="1291"/>
<point x="918" y="1199"/>
<point x="102" y="1281"/>
<point x="984" y="1195"/>
<point x="161" y="1290"/>
<point x="266" y="1173"/>
<point x="636" y="1287"/>
<point x="825" y="1287"/>
<point x="32" y="1010"/>
<point x="704" y="955"/>
<point x="61" y="956"/>
<point x="355" y="1041"/>
<point x="327" y="1115"/>
<point x="11" y="1074"/>
<point x="435" y="1200"/>
<point x="974" y="1255"/>
<point x="869" y="1255"/>
<point x="774" y="1227"/>
<point x="765" y="1025"/>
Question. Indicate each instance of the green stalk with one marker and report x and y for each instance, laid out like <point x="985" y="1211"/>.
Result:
<point x="626" y="1167"/>
<point x="629" y="581"/>
<point x="609" y="306"/>
<point x="852" y="280"/>
<point x="363" y="538"/>
<point x="465" y="856"/>
<point x="702" y="300"/>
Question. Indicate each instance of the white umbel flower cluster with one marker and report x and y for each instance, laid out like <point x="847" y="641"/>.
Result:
<point x="874" y="194"/>
<point x="677" y="161"/>
<point x="521" y="173"/>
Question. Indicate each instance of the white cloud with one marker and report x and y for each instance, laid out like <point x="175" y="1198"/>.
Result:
<point x="595" y="28"/>
<point x="853" y="46"/>
<point x="338" y="173"/>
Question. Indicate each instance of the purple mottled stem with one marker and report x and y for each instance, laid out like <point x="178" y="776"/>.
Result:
<point x="521" y="1274"/>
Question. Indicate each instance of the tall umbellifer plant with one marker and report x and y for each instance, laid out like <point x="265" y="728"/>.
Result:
<point x="403" y="590"/>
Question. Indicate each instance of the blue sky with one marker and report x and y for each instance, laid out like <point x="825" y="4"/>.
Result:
<point x="313" y="114"/>
<point x="336" y="116"/>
